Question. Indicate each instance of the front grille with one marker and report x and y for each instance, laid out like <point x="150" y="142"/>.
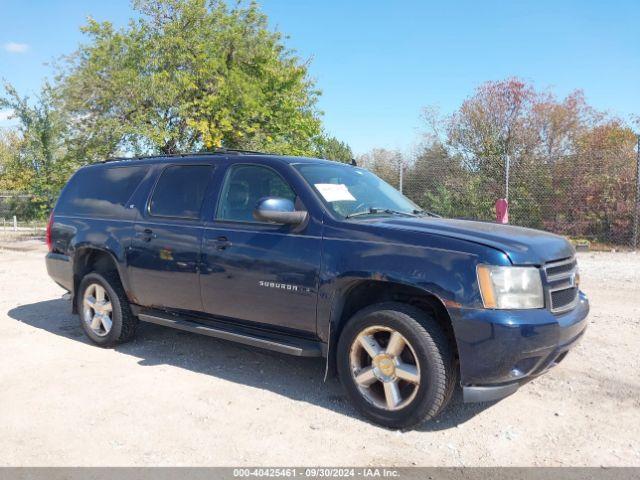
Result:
<point x="562" y="298"/>
<point x="559" y="269"/>
<point x="562" y="291"/>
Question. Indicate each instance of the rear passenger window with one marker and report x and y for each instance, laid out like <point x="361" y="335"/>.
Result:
<point x="180" y="191"/>
<point x="100" y="191"/>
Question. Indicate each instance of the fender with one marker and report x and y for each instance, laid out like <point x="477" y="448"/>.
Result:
<point x="429" y="266"/>
<point x="106" y="244"/>
<point x="352" y="294"/>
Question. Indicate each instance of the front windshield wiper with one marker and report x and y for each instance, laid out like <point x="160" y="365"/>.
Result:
<point x="427" y="213"/>
<point x="373" y="211"/>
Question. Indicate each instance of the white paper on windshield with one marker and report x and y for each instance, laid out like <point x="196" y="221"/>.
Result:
<point x="335" y="192"/>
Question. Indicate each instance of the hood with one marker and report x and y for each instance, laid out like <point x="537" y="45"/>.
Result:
<point x="523" y="246"/>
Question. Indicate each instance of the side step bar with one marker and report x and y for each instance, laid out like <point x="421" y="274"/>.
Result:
<point x="279" y="343"/>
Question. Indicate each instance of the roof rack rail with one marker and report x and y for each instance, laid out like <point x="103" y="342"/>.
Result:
<point x="216" y="151"/>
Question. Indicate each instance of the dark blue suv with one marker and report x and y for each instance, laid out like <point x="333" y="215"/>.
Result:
<point x="316" y="258"/>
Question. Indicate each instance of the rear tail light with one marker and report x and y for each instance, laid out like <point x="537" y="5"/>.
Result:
<point x="48" y="234"/>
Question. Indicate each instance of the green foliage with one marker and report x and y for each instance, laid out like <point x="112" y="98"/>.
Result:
<point x="34" y="159"/>
<point x="23" y="207"/>
<point x="468" y="199"/>
<point x="9" y="146"/>
<point x="331" y="148"/>
<point x="188" y="75"/>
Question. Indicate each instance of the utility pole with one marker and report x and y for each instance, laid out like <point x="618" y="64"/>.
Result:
<point x="636" y="210"/>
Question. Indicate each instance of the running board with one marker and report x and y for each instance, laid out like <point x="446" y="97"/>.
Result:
<point x="279" y="343"/>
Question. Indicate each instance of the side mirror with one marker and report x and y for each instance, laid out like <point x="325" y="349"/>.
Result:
<point x="278" y="210"/>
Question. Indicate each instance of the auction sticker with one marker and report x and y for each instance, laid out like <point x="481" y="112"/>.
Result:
<point x="335" y="192"/>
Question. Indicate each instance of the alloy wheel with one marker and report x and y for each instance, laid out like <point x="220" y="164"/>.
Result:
<point x="97" y="309"/>
<point x="385" y="367"/>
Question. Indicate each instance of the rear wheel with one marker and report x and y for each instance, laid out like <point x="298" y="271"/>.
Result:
<point x="396" y="364"/>
<point x="105" y="313"/>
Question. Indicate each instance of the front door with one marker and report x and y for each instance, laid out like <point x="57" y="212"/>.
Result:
<point x="165" y="252"/>
<point x="254" y="271"/>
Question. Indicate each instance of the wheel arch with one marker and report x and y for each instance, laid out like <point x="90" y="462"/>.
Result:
<point x="90" y="258"/>
<point x="363" y="293"/>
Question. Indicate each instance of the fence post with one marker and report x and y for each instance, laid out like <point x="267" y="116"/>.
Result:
<point x="507" y="167"/>
<point x="636" y="210"/>
<point x="15" y="224"/>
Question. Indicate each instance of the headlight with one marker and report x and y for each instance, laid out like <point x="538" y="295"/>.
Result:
<point x="510" y="287"/>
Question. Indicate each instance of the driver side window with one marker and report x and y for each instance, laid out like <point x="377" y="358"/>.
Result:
<point x="244" y="186"/>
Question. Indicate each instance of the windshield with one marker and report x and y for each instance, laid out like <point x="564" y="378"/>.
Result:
<point x="350" y="191"/>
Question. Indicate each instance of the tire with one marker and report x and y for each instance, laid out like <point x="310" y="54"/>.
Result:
<point x="424" y="370"/>
<point x="123" y="323"/>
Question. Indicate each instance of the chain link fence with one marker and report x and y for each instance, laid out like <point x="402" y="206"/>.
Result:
<point x="591" y="197"/>
<point x="13" y="230"/>
<point x="588" y="197"/>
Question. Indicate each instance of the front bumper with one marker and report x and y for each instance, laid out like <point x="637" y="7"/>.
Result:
<point x="502" y="349"/>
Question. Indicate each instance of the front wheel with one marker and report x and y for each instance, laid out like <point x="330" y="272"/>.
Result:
<point x="396" y="364"/>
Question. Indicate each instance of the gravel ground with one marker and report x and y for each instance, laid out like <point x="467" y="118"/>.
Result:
<point x="173" y="398"/>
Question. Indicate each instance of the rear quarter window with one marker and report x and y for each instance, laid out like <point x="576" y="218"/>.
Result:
<point x="100" y="192"/>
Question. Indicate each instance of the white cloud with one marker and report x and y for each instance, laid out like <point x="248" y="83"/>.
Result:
<point x="13" y="47"/>
<point x="5" y="114"/>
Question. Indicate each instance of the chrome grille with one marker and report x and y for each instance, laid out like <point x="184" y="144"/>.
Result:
<point x="560" y="268"/>
<point x="561" y="285"/>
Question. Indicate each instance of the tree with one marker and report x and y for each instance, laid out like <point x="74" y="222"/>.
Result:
<point x="492" y="127"/>
<point x="187" y="75"/>
<point x="571" y="167"/>
<point x="9" y="147"/>
<point x="559" y="124"/>
<point x="331" y="148"/>
<point x="596" y="186"/>
<point x="384" y="163"/>
<point x="37" y="162"/>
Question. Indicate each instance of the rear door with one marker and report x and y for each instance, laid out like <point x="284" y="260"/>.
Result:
<point x="164" y="256"/>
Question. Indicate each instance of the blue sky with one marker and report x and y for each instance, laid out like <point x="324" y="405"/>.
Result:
<point x="379" y="62"/>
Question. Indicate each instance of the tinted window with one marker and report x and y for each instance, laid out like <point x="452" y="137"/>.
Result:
<point x="180" y="191"/>
<point x="100" y="191"/>
<point x="244" y="186"/>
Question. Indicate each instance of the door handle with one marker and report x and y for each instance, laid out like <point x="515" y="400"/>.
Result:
<point x="146" y="235"/>
<point x="222" y="243"/>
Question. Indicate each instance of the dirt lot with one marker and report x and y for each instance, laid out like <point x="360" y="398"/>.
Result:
<point x="172" y="398"/>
